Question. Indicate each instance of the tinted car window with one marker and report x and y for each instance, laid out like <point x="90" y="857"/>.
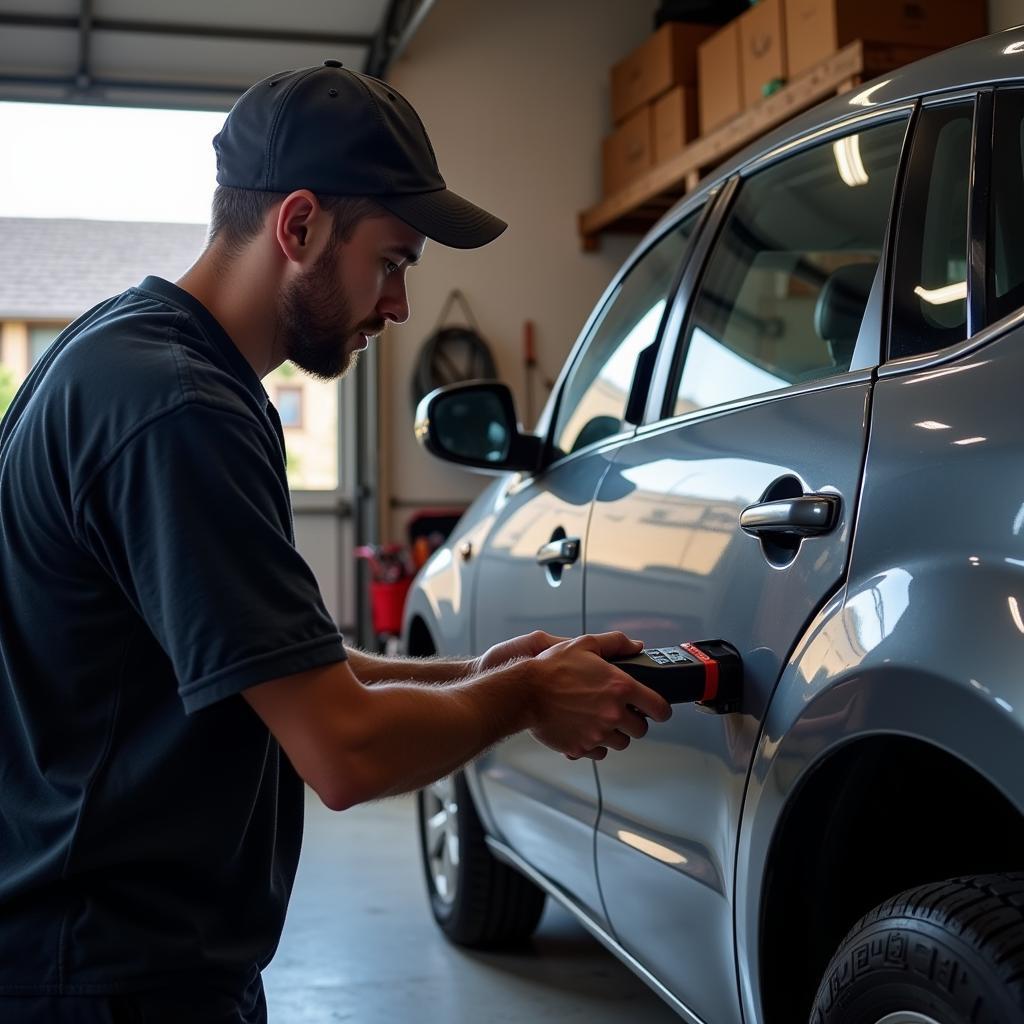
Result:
<point x="594" y="398"/>
<point x="787" y="283"/>
<point x="1007" y="210"/>
<point x="930" y="286"/>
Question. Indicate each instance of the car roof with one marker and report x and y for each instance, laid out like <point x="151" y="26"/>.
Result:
<point x="990" y="60"/>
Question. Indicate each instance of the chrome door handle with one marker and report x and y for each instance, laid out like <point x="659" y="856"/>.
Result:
<point x="806" y="516"/>
<point x="559" y="552"/>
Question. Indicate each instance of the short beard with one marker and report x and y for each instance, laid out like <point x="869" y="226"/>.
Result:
<point x="315" y="320"/>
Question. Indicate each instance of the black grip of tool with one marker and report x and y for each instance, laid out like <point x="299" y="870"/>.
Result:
<point x="708" y="673"/>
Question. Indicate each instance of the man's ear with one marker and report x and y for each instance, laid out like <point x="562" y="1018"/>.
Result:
<point x="300" y="221"/>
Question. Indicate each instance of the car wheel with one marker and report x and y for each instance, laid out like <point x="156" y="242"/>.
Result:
<point x="476" y="899"/>
<point x="947" y="953"/>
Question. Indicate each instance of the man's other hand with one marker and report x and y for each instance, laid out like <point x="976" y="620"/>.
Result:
<point x="528" y="646"/>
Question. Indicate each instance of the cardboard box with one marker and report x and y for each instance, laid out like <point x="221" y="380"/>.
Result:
<point x="675" y="121"/>
<point x="629" y="151"/>
<point x="815" y="29"/>
<point x="719" y="87"/>
<point x="667" y="59"/>
<point x="762" y="48"/>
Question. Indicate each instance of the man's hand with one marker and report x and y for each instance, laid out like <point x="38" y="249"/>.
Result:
<point x="586" y="705"/>
<point x="527" y="646"/>
<point x="354" y="743"/>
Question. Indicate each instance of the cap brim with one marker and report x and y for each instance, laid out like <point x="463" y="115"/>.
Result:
<point x="445" y="217"/>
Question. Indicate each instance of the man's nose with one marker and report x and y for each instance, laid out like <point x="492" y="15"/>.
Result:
<point x="394" y="302"/>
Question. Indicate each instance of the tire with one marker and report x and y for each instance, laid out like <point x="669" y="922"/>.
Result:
<point x="946" y="953"/>
<point x="476" y="900"/>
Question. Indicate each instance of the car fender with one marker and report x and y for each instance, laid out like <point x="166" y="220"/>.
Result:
<point x="441" y="598"/>
<point x="441" y="595"/>
<point x="891" y="654"/>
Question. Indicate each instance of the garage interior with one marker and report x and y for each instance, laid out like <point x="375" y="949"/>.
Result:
<point x="517" y="100"/>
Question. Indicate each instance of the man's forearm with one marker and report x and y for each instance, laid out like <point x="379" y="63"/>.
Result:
<point x="430" y="732"/>
<point x="372" y="668"/>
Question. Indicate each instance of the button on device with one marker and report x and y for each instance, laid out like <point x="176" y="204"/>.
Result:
<point x="332" y="63"/>
<point x="708" y="672"/>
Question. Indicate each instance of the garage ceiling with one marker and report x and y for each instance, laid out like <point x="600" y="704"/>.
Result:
<point x="192" y="53"/>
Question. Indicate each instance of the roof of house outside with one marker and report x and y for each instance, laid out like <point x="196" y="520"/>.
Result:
<point x="57" y="269"/>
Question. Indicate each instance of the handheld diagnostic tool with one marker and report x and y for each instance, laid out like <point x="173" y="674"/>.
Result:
<point x="708" y="673"/>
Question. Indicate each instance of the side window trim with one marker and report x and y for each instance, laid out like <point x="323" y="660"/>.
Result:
<point x="979" y="281"/>
<point x="661" y="407"/>
<point x="878" y="315"/>
<point x="715" y="213"/>
<point x="861" y="122"/>
<point x="648" y="380"/>
<point x="912" y="181"/>
<point x="596" y="318"/>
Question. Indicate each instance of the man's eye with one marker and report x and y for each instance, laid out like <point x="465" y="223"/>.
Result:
<point x="390" y="266"/>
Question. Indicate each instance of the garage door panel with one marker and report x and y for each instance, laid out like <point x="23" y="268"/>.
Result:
<point x="133" y="53"/>
<point x="137" y="57"/>
<point x="341" y="16"/>
<point x="68" y="8"/>
<point x="38" y="51"/>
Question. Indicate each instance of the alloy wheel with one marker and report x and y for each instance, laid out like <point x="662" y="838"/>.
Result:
<point x="441" y="837"/>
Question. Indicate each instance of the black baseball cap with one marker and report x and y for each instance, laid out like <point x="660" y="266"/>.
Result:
<point x="341" y="133"/>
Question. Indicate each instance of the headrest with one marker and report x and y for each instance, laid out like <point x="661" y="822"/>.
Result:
<point x="842" y="301"/>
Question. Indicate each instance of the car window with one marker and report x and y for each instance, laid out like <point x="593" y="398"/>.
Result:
<point x="929" y="305"/>
<point x="1006" y="261"/>
<point x="594" y="397"/>
<point x="787" y="283"/>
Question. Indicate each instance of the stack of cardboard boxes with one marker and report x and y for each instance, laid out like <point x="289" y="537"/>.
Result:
<point x="654" y="103"/>
<point x="779" y="40"/>
<point x="658" y="88"/>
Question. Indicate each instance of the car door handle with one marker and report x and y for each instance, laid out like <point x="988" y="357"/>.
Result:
<point x="806" y="516"/>
<point x="560" y="552"/>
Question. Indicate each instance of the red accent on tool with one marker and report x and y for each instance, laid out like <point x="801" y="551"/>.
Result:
<point x="710" y="670"/>
<point x="529" y="355"/>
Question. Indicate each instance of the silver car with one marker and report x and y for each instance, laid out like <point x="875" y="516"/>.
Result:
<point x="795" y="421"/>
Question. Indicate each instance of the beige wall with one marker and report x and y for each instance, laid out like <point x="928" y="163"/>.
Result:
<point x="1005" y="14"/>
<point x="515" y="98"/>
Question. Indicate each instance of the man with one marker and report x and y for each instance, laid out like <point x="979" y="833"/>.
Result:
<point x="161" y="640"/>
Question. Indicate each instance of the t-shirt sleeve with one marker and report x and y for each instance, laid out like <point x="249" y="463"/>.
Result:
<point x="191" y="518"/>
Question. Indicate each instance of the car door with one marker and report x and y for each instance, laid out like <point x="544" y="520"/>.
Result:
<point x="765" y="409"/>
<point x="530" y="569"/>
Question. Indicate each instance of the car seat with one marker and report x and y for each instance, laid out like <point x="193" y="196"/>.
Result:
<point x="840" y="309"/>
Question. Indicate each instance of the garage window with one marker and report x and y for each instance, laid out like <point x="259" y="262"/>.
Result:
<point x="40" y="338"/>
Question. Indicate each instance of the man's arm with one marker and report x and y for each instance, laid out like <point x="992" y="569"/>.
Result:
<point x="373" y="668"/>
<point x="354" y="743"/>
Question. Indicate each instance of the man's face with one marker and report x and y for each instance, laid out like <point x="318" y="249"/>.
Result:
<point x="330" y="313"/>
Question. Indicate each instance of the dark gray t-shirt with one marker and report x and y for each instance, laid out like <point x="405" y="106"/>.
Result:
<point x="149" y="823"/>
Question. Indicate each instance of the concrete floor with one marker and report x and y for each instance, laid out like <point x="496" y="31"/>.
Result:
<point x="360" y="945"/>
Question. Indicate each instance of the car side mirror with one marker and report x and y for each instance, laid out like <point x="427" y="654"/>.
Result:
<point x="475" y="425"/>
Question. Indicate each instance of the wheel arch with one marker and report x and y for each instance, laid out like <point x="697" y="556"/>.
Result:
<point x="868" y="736"/>
<point x="868" y="820"/>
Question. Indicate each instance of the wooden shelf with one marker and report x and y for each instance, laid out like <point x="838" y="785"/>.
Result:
<point x="635" y="208"/>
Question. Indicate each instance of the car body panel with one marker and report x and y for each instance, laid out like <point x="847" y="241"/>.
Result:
<point x="442" y="597"/>
<point x="547" y="804"/>
<point x="667" y="562"/>
<point x="927" y="638"/>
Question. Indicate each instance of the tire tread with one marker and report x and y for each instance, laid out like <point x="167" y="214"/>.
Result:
<point x="984" y="912"/>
